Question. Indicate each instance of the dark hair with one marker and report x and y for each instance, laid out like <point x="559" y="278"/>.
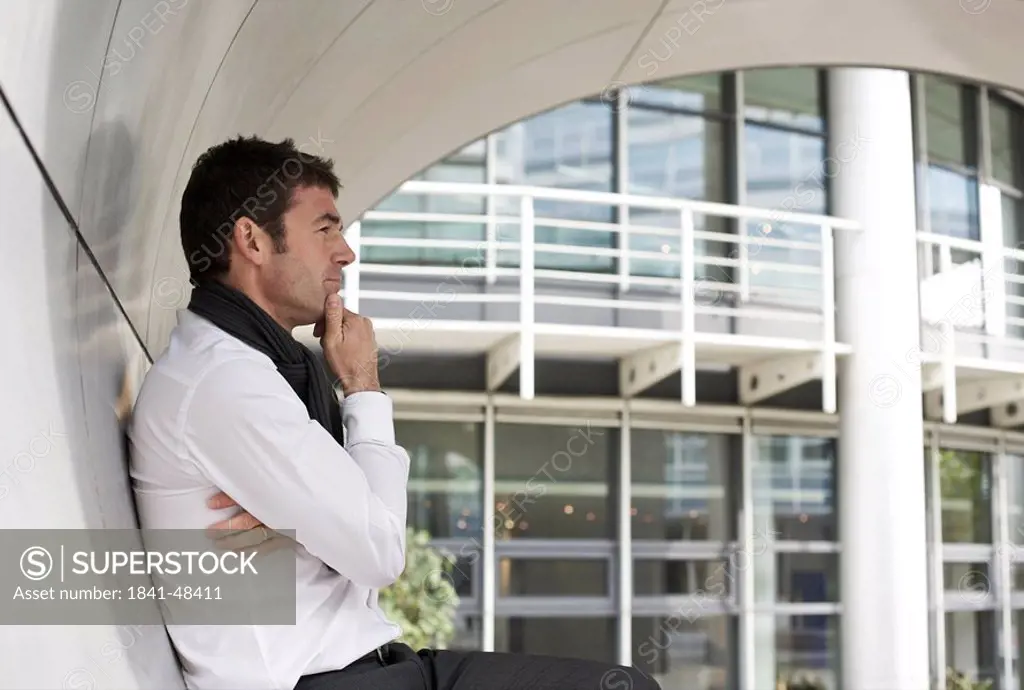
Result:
<point x="243" y="177"/>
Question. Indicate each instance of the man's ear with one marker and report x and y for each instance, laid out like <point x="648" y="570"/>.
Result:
<point x="250" y="241"/>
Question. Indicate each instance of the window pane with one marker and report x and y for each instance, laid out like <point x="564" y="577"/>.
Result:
<point x="681" y="485"/>
<point x="467" y="165"/>
<point x="680" y="653"/>
<point x="701" y="92"/>
<point x="793" y="488"/>
<point x="532" y="577"/>
<point x="947" y="105"/>
<point x="1005" y="124"/>
<point x="681" y="156"/>
<point x="971" y="644"/>
<point x="970" y="581"/>
<point x="953" y="203"/>
<point x="796" y="651"/>
<point x="1012" y="219"/>
<point x="569" y="148"/>
<point x="794" y="578"/>
<point x="966" y="497"/>
<point x="408" y="255"/>
<point x="785" y="96"/>
<point x="576" y="638"/>
<point x="553" y="482"/>
<point x="463" y="572"/>
<point x="445" y="476"/>
<point x="785" y="172"/>
<point x="468" y="634"/>
<point x="658" y="578"/>
<point x="1015" y="497"/>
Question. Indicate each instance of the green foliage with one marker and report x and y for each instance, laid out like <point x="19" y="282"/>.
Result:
<point x="959" y="475"/>
<point x="962" y="478"/>
<point x="958" y="681"/>
<point x="423" y="599"/>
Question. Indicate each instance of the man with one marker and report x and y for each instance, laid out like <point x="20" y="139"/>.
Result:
<point x="238" y="427"/>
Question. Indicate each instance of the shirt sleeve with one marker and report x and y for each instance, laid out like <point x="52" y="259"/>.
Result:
<point x="252" y="438"/>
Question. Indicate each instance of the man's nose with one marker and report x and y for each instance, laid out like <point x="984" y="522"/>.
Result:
<point x="344" y="255"/>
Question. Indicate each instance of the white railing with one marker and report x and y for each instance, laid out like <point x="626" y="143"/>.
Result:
<point x="968" y="294"/>
<point x="676" y="261"/>
<point x="658" y="259"/>
<point x="980" y="274"/>
<point x="495" y="244"/>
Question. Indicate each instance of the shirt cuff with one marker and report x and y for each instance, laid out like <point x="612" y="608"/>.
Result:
<point x="369" y="418"/>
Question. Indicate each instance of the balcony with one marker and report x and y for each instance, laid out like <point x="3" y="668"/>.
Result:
<point x="971" y="353"/>
<point x="663" y="286"/>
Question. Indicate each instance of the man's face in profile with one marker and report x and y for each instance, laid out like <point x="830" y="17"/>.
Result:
<point x="298" y="280"/>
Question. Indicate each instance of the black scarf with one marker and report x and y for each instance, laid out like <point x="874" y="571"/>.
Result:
<point x="233" y="312"/>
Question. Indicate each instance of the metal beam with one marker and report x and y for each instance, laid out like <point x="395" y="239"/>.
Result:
<point x="641" y="370"/>
<point x="996" y="392"/>
<point x="1008" y="415"/>
<point x="766" y="378"/>
<point x="1004" y="396"/>
<point x="502" y="361"/>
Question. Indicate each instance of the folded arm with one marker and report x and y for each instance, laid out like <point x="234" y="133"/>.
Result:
<point x="253" y="439"/>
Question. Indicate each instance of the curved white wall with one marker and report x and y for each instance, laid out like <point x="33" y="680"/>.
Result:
<point x="119" y="98"/>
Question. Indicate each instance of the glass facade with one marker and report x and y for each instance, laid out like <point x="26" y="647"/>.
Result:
<point x="558" y="526"/>
<point x="557" y="522"/>
<point x="756" y="138"/>
<point x="676" y="147"/>
<point x="977" y="507"/>
<point x="951" y="156"/>
<point x="709" y="601"/>
<point x="682" y="487"/>
<point x="551" y="482"/>
<point x="968" y="149"/>
<point x="787" y="168"/>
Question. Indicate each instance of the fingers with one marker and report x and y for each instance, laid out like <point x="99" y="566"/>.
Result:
<point x="262" y="540"/>
<point x="242" y="530"/>
<point x="275" y="543"/>
<point x="351" y="318"/>
<point x="333" y="310"/>
<point x="220" y="500"/>
<point x="244" y="540"/>
<point x="239" y="522"/>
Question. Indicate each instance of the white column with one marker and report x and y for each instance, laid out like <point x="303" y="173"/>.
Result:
<point x="883" y="564"/>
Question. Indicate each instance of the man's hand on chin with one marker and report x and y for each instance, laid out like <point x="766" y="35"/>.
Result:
<point x="242" y="531"/>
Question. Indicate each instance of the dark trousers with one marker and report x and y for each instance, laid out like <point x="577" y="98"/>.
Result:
<point x="401" y="668"/>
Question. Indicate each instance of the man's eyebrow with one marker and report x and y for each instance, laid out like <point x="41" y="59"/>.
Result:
<point x="328" y="216"/>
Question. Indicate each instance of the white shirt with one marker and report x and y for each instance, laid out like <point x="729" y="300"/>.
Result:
<point x="214" y="414"/>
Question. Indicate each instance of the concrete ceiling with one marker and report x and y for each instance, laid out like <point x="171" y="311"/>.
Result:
<point x="119" y="98"/>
